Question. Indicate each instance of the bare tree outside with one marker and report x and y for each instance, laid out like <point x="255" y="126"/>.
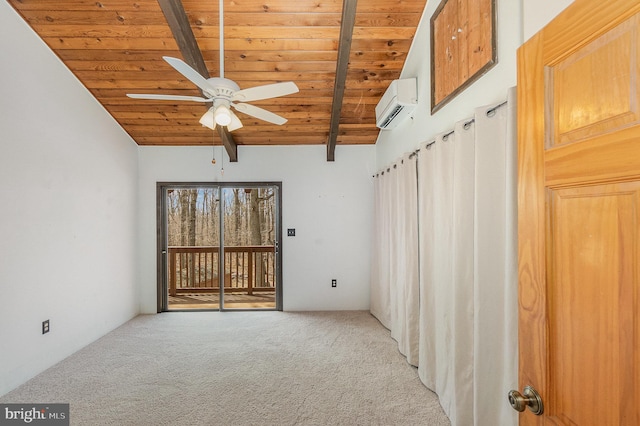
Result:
<point x="249" y="236"/>
<point x="193" y="217"/>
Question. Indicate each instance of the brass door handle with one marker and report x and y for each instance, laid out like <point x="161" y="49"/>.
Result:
<point x="531" y="399"/>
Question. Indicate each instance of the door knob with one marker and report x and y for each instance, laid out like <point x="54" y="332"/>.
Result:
<point x="531" y="399"/>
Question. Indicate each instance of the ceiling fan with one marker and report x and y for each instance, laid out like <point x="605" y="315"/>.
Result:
<point x="225" y="93"/>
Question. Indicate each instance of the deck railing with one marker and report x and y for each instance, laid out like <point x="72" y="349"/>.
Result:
<point x="247" y="269"/>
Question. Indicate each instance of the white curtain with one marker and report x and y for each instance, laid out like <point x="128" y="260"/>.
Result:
<point x="446" y="195"/>
<point x="395" y="282"/>
<point x="459" y="322"/>
<point x="407" y="284"/>
<point x="379" y="294"/>
<point x="391" y="179"/>
<point x="496" y="265"/>
<point x="384" y="267"/>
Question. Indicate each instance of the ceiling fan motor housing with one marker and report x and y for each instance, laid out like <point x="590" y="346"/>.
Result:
<point x="222" y="88"/>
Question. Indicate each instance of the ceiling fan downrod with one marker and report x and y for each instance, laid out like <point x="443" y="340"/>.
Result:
<point x="225" y="94"/>
<point x="221" y="53"/>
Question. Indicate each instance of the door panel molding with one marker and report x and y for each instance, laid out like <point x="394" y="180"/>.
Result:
<point x="576" y="111"/>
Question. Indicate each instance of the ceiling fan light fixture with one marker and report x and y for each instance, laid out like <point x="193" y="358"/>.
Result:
<point x="208" y="120"/>
<point x="235" y="123"/>
<point x="222" y="115"/>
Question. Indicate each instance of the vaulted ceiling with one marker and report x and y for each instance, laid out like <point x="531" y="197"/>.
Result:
<point x="115" y="47"/>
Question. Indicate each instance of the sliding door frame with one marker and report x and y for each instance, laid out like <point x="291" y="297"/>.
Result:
<point x="161" y="235"/>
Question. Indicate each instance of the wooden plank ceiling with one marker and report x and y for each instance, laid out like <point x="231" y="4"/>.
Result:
<point x="115" y="47"/>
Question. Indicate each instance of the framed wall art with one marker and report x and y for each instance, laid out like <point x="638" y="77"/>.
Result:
<point x="463" y="47"/>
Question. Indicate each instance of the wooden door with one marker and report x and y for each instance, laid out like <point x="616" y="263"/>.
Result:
<point x="579" y="215"/>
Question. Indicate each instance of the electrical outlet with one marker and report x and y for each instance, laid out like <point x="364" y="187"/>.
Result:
<point x="334" y="283"/>
<point x="45" y="327"/>
<point x="291" y="232"/>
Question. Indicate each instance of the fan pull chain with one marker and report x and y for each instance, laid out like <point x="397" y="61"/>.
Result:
<point x="213" y="147"/>
<point x="222" y="163"/>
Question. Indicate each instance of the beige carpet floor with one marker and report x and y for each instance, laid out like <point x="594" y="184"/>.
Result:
<point x="239" y="368"/>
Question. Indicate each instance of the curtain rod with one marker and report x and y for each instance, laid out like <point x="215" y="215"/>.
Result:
<point x="490" y="113"/>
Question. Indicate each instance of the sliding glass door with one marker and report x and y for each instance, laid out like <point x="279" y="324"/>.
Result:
<point x="250" y="247"/>
<point x="219" y="246"/>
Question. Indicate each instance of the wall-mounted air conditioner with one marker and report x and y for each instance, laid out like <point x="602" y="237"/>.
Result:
<point x="397" y="103"/>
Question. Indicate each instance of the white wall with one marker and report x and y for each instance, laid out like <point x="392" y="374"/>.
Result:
<point x="67" y="210"/>
<point x="328" y="203"/>
<point x="538" y="13"/>
<point x="517" y="21"/>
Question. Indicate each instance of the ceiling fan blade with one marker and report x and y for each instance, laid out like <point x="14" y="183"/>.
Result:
<point x="235" y="122"/>
<point x="266" y="92"/>
<point x="260" y="113"/>
<point x="168" y="97"/>
<point x="191" y="74"/>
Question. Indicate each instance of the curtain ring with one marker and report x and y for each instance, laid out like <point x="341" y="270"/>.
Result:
<point x="492" y="111"/>
<point x="467" y="125"/>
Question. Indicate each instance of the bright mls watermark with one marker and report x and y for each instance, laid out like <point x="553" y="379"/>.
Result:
<point x="34" y="414"/>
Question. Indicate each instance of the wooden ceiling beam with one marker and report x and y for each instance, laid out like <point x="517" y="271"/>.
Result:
<point x="183" y="34"/>
<point x="116" y="47"/>
<point x="344" y="50"/>
<point x="229" y="144"/>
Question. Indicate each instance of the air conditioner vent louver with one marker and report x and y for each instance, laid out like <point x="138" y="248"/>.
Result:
<point x="396" y="110"/>
<point x="397" y="103"/>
